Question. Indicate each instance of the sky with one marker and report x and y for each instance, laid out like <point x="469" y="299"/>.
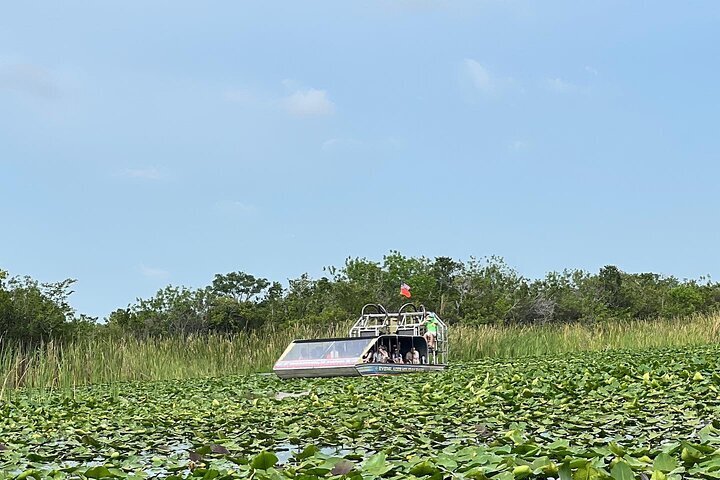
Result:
<point x="152" y="143"/>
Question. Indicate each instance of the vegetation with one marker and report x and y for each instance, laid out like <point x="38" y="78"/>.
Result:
<point x="104" y="359"/>
<point x="31" y="311"/>
<point x="609" y="415"/>
<point x="476" y="292"/>
<point x="471" y="293"/>
<point x="573" y="376"/>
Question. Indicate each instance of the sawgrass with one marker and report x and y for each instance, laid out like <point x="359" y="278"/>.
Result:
<point x="471" y="343"/>
<point x="111" y="359"/>
<point x="106" y="359"/>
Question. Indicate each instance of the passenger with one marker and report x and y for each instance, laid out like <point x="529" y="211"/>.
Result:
<point x="383" y="356"/>
<point x="412" y="357"/>
<point x="431" y="326"/>
<point x="380" y="355"/>
<point x="397" y="356"/>
<point x="369" y="356"/>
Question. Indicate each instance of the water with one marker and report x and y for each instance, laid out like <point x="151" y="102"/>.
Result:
<point x="285" y="451"/>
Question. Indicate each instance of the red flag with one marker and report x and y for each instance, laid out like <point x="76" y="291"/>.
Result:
<point x="405" y="290"/>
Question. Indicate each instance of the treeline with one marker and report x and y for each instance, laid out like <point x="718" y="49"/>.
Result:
<point x="478" y="291"/>
<point x="31" y="311"/>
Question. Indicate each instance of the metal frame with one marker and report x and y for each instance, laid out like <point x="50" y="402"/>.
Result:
<point x="375" y="321"/>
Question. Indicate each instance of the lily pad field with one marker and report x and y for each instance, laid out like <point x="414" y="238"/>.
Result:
<point x="589" y="415"/>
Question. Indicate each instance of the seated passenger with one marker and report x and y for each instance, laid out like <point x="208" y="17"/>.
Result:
<point x="397" y="356"/>
<point x="377" y="356"/>
<point x="413" y="357"/>
<point x="368" y="357"/>
<point x="382" y="355"/>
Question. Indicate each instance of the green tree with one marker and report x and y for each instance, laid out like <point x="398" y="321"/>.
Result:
<point x="489" y="291"/>
<point x="445" y="271"/>
<point x="241" y="286"/>
<point x="173" y="310"/>
<point x="34" y="312"/>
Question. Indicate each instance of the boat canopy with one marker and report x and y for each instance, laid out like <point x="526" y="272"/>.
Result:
<point x="324" y="353"/>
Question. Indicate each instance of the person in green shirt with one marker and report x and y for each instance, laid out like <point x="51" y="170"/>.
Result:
<point x="431" y="326"/>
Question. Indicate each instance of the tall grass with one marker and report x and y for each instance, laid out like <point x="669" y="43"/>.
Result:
<point x="471" y="343"/>
<point x="111" y="359"/>
<point x="102" y="360"/>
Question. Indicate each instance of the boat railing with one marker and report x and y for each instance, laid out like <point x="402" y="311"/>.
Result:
<point x="404" y="322"/>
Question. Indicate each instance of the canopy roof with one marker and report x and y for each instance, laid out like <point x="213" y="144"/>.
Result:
<point x="328" y="352"/>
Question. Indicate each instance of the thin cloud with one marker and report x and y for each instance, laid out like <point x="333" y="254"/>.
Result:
<point x="290" y="84"/>
<point x="518" y="146"/>
<point x="152" y="272"/>
<point x="240" y="95"/>
<point x="591" y="70"/>
<point x="483" y="80"/>
<point x="479" y="76"/>
<point x="339" y="143"/>
<point x="298" y="101"/>
<point x="418" y="5"/>
<point x="235" y="207"/>
<point x="29" y="79"/>
<point x="395" y="142"/>
<point x="558" y="85"/>
<point x="309" y="103"/>
<point x="150" y="173"/>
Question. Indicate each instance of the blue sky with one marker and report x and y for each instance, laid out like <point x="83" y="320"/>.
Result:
<point x="152" y="143"/>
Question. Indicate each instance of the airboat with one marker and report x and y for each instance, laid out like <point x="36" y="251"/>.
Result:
<point x="401" y="335"/>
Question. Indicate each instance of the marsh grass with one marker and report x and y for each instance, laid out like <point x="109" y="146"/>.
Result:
<point x="107" y="359"/>
<point x="470" y="343"/>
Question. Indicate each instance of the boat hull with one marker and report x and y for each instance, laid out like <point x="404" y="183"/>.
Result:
<point x="348" y="371"/>
<point x="362" y="369"/>
<point x="370" y="369"/>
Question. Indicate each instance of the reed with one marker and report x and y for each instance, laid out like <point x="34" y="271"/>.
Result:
<point x="470" y="343"/>
<point x="109" y="359"/>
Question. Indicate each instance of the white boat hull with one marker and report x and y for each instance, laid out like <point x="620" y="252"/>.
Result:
<point x="364" y="369"/>
<point x="349" y="371"/>
<point x="368" y="369"/>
